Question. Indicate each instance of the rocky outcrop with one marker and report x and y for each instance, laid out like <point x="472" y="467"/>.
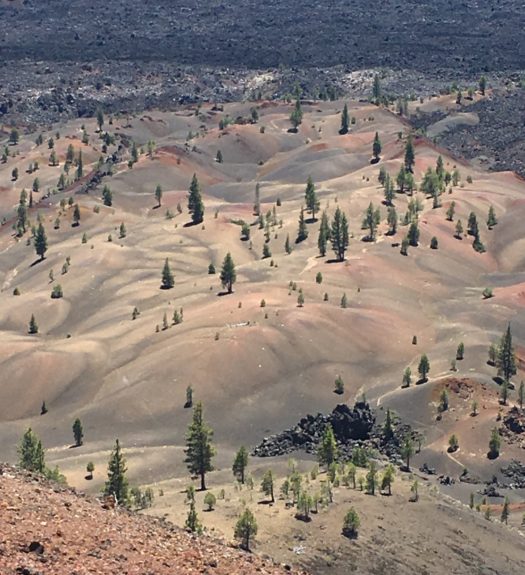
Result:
<point x="353" y="426"/>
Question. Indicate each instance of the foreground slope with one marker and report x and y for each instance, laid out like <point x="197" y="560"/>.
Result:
<point x="49" y="530"/>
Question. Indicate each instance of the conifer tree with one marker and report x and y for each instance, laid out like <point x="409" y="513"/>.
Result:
<point x="158" y="195"/>
<point x="257" y="203"/>
<point x="228" y="274"/>
<point x="376" y="147"/>
<point x="506" y="360"/>
<point x="195" y="205"/>
<point x="33" y="327"/>
<point x="302" y="232"/>
<point x="376" y="89"/>
<point x="167" y="277"/>
<point x="192" y="521"/>
<point x="199" y="450"/>
<point x="388" y="478"/>
<point x="287" y="246"/>
<point x="41" y="241"/>
<point x="107" y="196"/>
<point x="491" y="219"/>
<point x="409" y="155"/>
<point x="117" y="483"/>
<point x="388" y="432"/>
<point x="80" y="166"/>
<point x="311" y="200"/>
<point x="423" y="367"/>
<point x="339" y="234"/>
<point x="369" y="222"/>
<point x="78" y="433"/>
<point x="246" y="529"/>
<point x="327" y="452"/>
<point x="240" y="463"/>
<point x="407" y="450"/>
<point x="324" y="233"/>
<point x="296" y="117"/>
<point x="505" y="511"/>
<point x="459" y="230"/>
<point x="345" y="121"/>
<point x="267" y="485"/>
<point x="100" y="119"/>
<point x="392" y="220"/>
<point x="31" y="453"/>
<point x="76" y="215"/>
<point x="413" y="234"/>
<point x="494" y="444"/>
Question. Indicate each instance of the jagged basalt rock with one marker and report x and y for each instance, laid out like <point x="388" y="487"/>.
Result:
<point x="353" y="426"/>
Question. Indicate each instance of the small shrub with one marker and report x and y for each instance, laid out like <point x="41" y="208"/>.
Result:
<point x="56" y="292"/>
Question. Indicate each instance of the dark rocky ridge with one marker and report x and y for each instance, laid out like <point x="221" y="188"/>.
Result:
<point x="353" y="427"/>
<point x="466" y="36"/>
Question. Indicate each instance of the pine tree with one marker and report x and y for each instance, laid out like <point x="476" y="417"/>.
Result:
<point x="327" y="452"/>
<point x="505" y="511"/>
<point x="450" y="211"/>
<point x="521" y="395"/>
<point x="199" y="450"/>
<point x="117" y="484"/>
<point x="339" y="234"/>
<point x="376" y="147"/>
<point x="122" y="230"/>
<point x="287" y="246"/>
<point x="369" y="222"/>
<point x="388" y="432"/>
<point x="302" y="231"/>
<point x="100" y="119"/>
<point x="76" y="215"/>
<point x="78" y="433"/>
<point x="459" y="230"/>
<point x="246" y="529"/>
<point x="407" y="377"/>
<point x="506" y="360"/>
<point x="413" y="234"/>
<point x="482" y="85"/>
<point x="31" y="453"/>
<point x="407" y="450"/>
<point x="158" y="195"/>
<point x="351" y="524"/>
<point x="491" y="218"/>
<point x="392" y="220"/>
<point x="192" y="521"/>
<point x="423" y="367"/>
<point x="371" y="478"/>
<point x="345" y="121"/>
<point x="80" y="166"/>
<point x="324" y="233"/>
<point x="267" y="485"/>
<point x="388" y="478"/>
<point x="257" y="203"/>
<point x="376" y="89"/>
<point x="311" y="200"/>
<point x="296" y="117"/>
<point x="195" y="205"/>
<point x="168" y="280"/>
<point x="41" y="241"/>
<point x="409" y="155"/>
<point x="240" y="463"/>
<point x="494" y="444"/>
<point x="33" y="327"/>
<point x="228" y="274"/>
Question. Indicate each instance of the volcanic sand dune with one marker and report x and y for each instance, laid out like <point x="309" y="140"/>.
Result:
<point x="257" y="369"/>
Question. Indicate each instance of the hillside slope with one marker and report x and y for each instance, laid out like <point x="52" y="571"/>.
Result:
<point x="51" y="530"/>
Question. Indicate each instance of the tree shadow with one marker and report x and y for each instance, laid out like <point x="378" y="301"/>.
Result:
<point x="335" y="261"/>
<point x="36" y="262"/>
<point x="224" y="292"/>
<point x="422" y="380"/>
<point x="156" y="207"/>
<point x="192" y="224"/>
<point x="374" y="161"/>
